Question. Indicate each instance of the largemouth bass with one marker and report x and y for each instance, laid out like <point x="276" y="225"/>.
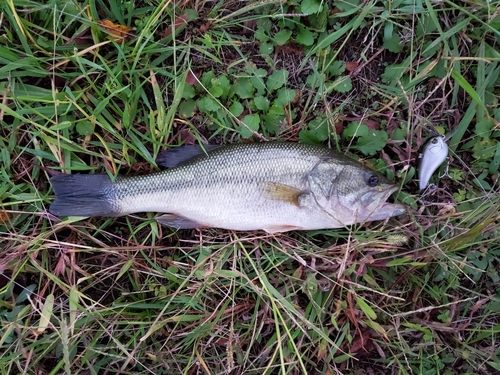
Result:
<point x="272" y="186"/>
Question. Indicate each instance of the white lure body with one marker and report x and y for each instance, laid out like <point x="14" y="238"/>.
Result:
<point x="434" y="153"/>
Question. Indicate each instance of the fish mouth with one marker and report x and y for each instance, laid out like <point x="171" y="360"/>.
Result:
<point x="377" y="206"/>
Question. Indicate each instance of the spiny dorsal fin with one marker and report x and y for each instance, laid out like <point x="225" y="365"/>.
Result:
<point x="176" y="157"/>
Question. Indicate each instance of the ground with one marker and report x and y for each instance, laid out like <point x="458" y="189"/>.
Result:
<point x="104" y="87"/>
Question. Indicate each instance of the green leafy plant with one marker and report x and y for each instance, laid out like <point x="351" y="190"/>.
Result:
<point x="248" y="104"/>
<point x="368" y="141"/>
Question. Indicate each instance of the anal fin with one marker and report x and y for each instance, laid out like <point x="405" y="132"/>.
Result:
<point x="278" y="228"/>
<point x="178" y="222"/>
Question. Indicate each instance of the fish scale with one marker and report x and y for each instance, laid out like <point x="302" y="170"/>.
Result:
<point x="275" y="186"/>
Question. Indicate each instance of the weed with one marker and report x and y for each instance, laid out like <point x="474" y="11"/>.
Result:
<point x="103" y="87"/>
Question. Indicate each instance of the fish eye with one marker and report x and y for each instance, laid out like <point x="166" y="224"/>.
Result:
<point x="372" y="180"/>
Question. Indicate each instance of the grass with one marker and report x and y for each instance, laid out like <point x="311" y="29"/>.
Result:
<point x="416" y="295"/>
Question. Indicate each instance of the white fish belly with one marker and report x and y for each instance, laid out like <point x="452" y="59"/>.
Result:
<point x="248" y="208"/>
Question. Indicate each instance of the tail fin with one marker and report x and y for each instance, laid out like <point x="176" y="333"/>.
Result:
<point x="83" y="195"/>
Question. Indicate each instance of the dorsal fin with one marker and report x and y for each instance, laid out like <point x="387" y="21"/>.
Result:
<point x="176" y="157"/>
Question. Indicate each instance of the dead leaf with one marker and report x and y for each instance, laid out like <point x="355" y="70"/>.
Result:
<point x="361" y="344"/>
<point x="298" y="272"/>
<point x="192" y="78"/>
<point x="350" y="311"/>
<point x="186" y="137"/>
<point x="60" y="268"/>
<point x="339" y="126"/>
<point x="478" y="305"/>
<point x="351" y="66"/>
<point x="83" y="37"/>
<point x="447" y="209"/>
<point x="323" y="350"/>
<point x="178" y="22"/>
<point x="372" y="124"/>
<point x="249" y="27"/>
<point x="209" y="269"/>
<point x="205" y="27"/>
<point x="109" y="165"/>
<point x="4" y="216"/>
<point x="290" y="49"/>
<point x="117" y="32"/>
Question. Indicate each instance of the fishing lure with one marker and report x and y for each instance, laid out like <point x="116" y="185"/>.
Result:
<point x="434" y="153"/>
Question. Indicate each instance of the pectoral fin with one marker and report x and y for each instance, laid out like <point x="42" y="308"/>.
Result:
<point x="178" y="222"/>
<point x="285" y="193"/>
